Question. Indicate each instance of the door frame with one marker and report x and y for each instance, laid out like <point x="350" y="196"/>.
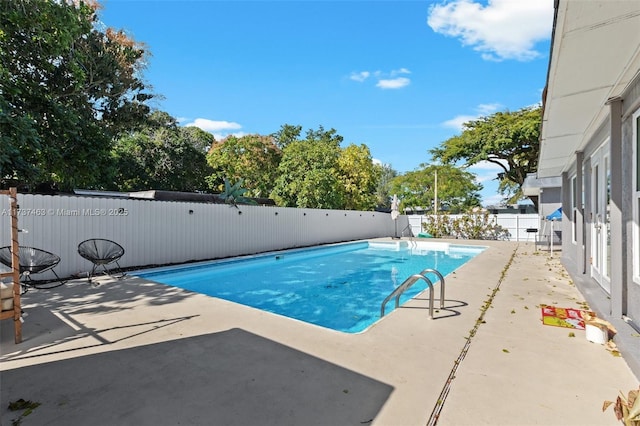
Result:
<point x="600" y="267"/>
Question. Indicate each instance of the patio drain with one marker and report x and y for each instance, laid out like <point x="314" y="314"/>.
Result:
<point x="435" y="414"/>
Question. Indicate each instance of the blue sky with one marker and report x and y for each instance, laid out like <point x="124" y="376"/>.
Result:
<point x="398" y="76"/>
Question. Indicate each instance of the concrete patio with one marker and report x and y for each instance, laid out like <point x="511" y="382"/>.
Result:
<point x="132" y="352"/>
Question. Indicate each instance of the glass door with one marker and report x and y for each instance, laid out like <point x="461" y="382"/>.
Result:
<point x="600" y="223"/>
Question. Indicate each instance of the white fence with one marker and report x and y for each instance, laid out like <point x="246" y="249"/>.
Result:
<point x="162" y="232"/>
<point x="516" y="224"/>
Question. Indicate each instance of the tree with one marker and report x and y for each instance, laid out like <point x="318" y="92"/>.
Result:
<point x="385" y="175"/>
<point x="163" y="156"/>
<point x="330" y="137"/>
<point x="308" y="172"/>
<point x="313" y="172"/>
<point x="358" y="176"/>
<point x="457" y="189"/>
<point x="286" y="135"/>
<point x="509" y="140"/>
<point x="252" y="158"/>
<point x="67" y="88"/>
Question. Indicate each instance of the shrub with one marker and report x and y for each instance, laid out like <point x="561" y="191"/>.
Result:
<point x="476" y="224"/>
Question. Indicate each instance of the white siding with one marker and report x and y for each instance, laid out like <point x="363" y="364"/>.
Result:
<point x="161" y="232"/>
<point x="516" y="224"/>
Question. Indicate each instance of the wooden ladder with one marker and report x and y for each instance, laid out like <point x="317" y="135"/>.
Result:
<point x="16" y="312"/>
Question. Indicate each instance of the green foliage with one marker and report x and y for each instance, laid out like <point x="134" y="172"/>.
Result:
<point x="511" y="191"/>
<point x="286" y="135"/>
<point x="384" y="176"/>
<point x="19" y="144"/>
<point x="309" y="172"/>
<point x="253" y="158"/>
<point x="73" y="112"/>
<point x="26" y="406"/>
<point x="234" y="194"/>
<point x="313" y="172"/>
<point x="438" y="226"/>
<point x="329" y="137"/>
<point x="509" y="140"/>
<point x="162" y="156"/>
<point x="457" y="189"/>
<point x="358" y="177"/>
<point x="67" y="88"/>
<point x="307" y="176"/>
<point x="477" y="224"/>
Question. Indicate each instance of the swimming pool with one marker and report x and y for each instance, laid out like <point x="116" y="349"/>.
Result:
<point x="340" y="286"/>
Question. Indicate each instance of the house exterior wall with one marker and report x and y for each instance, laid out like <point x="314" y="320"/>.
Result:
<point x="550" y="200"/>
<point x="589" y="136"/>
<point x="619" y="130"/>
<point x="630" y="143"/>
<point x="576" y="247"/>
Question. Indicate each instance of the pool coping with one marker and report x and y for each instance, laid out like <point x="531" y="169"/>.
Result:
<point x="407" y="354"/>
<point x="247" y="257"/>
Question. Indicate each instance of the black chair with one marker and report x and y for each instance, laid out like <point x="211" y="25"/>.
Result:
<point x="101" y="252"/>
<point x="33" y="261"/>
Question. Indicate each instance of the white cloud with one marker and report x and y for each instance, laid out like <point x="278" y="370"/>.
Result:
<point x="213" y="125"/>
<point x="501" y="29"/>
<point x="484" y="166"/>
<point x="487" y="174"/>
<point x="488" y="109"/>
<point x="482" y="109"/>
<point x="458" y="121"/>
<point x="493" y="200"/>
<point x="221" y="136"/>
<point x="484" y="178"/>
<point x="400" y="71"/>
<point x="360" y="76"/>
<point x="219" y="129"/>
<point x="394" y="83"/>
<point x="385" y="80"/>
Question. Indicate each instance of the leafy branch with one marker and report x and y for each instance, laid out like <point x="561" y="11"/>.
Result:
<point x="627" y="410"/>
<point x="234" y="194"/>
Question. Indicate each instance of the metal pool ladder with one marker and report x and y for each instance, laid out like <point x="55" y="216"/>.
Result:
<point x="397" y="292"/>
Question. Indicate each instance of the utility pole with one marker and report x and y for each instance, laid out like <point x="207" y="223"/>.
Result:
<point x="435" y="198"/>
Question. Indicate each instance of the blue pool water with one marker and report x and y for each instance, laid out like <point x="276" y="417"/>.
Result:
<point x="340" y="286"/>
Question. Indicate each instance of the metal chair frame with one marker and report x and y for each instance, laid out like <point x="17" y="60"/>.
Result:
<point x="29" y="267"/>
<point x="101" y="252"/>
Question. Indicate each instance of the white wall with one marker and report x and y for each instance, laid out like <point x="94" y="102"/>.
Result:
<point x="161" y="232"/>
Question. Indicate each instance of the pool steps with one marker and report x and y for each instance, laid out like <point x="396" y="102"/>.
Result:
<point x="397" y="292"/>
<point x="412" y="245"/>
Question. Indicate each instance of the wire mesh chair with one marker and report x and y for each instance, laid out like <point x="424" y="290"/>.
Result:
<point x="101" y="252"/>
<point x="33" y="261"/>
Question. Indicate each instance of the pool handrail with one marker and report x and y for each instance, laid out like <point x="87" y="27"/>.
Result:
<point x="397" y="292"/>
<point x="441" y="279"/>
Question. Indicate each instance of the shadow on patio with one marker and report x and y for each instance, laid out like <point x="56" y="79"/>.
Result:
<point x="56" y="319"/>
<point x="228" y="378"/>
